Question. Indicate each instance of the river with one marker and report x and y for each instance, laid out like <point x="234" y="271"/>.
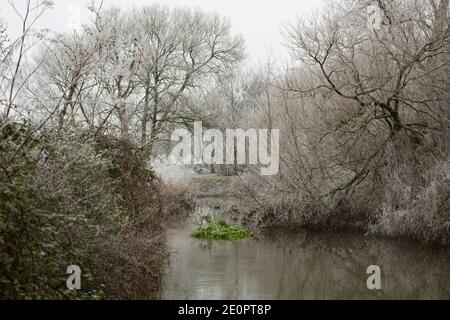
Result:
<point x="300" y="265"/>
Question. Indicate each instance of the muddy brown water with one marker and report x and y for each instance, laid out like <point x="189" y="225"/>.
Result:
<point x="295" y="266"/>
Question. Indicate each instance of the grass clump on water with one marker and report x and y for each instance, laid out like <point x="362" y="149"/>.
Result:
<point x="220" y="230"/>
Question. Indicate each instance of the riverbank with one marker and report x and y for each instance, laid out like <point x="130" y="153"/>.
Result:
<point x="288" y="264"/>
<point x="259" y="212"/>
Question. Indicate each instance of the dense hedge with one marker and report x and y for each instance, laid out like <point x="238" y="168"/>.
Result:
<point x="62" y="197"/>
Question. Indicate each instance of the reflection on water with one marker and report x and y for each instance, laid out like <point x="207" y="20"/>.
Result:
<point x="302" y="266"/>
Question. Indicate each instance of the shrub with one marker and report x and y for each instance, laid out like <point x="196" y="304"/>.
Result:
<point x="42" y="228"/>
<point x="417" y="194"/>
<point x="70" y="199"/>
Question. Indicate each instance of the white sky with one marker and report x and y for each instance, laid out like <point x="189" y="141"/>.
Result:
<point x="259" y="21"/>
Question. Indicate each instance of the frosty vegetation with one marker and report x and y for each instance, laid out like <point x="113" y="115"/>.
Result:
<point x="80" y="114"/>
<point x="363" y="115"/>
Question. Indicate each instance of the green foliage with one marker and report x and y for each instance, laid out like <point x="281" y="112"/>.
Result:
<point x="55" y="197"/>
<point x="220" y="230"/>
<point x="137" y="182"/>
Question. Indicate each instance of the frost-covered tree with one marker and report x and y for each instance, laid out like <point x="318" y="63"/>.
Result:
<point x="366" y="83"/>
<point x="183" y="50"/>
<point x="14" y="53"/>
<point x="139" y="71"/>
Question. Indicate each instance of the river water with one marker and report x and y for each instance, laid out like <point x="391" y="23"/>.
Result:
<point x="292" y="266"/>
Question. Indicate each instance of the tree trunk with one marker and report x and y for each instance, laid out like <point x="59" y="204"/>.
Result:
<point x="124" y="121"/>
<point x="145" y="116"/>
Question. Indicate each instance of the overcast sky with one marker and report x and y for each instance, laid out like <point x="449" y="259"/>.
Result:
<point x="259" y="21"/>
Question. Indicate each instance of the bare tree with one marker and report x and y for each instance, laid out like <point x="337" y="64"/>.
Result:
<point x="376" y="71"/>
<point x="14" y="53"/>
<point x="148" y="72"/>
<point x="183" y="50"/>
<point x="366" y="83"/>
